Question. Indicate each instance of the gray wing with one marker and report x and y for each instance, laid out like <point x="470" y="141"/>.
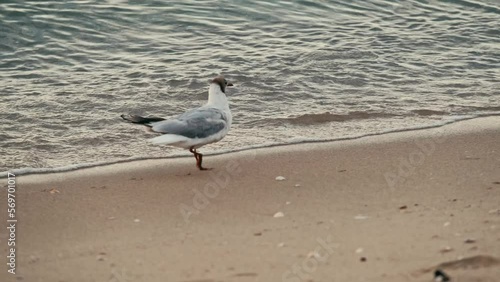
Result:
<point x="197" y="123"/>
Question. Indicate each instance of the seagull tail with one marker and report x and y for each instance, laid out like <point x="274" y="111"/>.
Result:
<point x="141" y="120"/>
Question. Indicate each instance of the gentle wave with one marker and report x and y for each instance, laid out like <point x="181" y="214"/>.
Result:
<point x="309" y="119"/>
<point x="324" y="70"/>
<point x="28" y="170"/>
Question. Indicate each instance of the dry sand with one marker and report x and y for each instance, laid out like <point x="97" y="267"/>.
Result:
<point x="381" y="208"/>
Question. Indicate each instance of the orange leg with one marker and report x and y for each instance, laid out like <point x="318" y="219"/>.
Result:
<point x="199" y="159"/>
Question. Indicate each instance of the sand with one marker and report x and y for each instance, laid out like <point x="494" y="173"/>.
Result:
<point x="383" y="208"/>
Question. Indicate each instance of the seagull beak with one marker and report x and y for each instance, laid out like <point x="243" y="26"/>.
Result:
<point x="229" y="84"/>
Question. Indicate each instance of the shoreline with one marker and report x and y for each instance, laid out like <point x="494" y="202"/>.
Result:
<point x="73" y="167"/>
<point x="391" y="207"/>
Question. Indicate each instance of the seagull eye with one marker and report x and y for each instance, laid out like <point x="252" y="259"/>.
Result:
<point x="225" y="81"/>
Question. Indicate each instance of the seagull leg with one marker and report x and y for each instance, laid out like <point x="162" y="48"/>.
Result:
<point x="198" y="164"/>
<point x="192" y="150"/>
<point x="199" y="159"/>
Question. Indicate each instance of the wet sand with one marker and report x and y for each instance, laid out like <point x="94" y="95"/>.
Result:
<point x="381" y="208"/>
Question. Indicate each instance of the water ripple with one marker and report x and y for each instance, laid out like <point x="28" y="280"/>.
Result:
<point x="69" y="68"/>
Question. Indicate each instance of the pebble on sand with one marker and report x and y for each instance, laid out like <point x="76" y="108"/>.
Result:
<point x="33" y="259"/>
<point x="360" y="217"/>
<point x="280" y="178"/>
<point x="137" y="220"/>
<point x="446" y="249"/>
<point x="313" y="254"/>
<point x="469" y="241"/>
<point x="279" y="214"/>
<point x="100" y="258"/>
<point x="497" y="211"/>
<point x="440" y="276"/>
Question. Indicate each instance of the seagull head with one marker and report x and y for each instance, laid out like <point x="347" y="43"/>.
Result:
<point x="222" y="82"/>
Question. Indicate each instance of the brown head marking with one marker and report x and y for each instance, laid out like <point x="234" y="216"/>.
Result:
<point x="222" y="83"/>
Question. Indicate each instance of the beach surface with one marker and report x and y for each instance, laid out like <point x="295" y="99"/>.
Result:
<point x="390" y="207"/>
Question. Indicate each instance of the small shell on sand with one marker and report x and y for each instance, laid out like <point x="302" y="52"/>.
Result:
<point x="280" y="178"/>
<point x="279" y="214"/>
<point x="360" y="217"/>
<point x="446" y="249"/>
<point x="313" y="254"/>
<point x="137" y="220"/>
<point x="100" y="258"/>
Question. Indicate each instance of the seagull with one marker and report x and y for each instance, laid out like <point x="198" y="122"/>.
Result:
<point x="196" y="127"/>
